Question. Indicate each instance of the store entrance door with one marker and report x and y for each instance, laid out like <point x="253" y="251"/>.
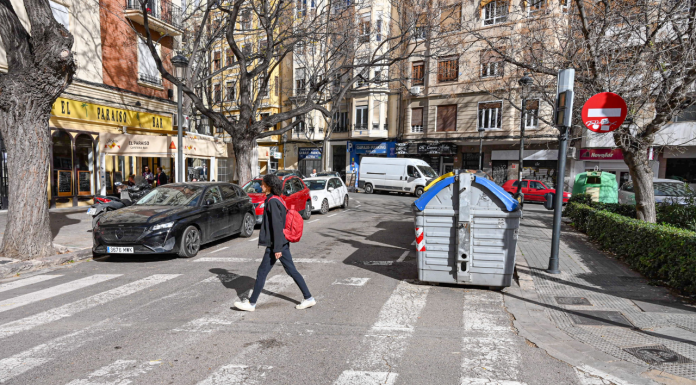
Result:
<point x="339" y="160"/>
<point x="307" y="165"/>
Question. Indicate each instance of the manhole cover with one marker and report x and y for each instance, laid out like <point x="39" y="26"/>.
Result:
<point x="658" y="355"/>
<point x="578" y="301"/>
<point x="599" y="318"/>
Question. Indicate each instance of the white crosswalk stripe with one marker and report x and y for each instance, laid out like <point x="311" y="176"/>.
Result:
<point x="26" y="282"/>
<point x="237" y="375"/>
<point x="26" y="299"/>
<point x="70" y="309"/>
<point x="239" y="260"/>
<point x="383" y="345"/>
<point x="117" y="373"/>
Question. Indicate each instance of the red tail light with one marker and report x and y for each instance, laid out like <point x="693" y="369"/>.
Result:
<point x="102" y="200"/>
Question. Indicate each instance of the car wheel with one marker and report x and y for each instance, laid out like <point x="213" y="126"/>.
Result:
<point x="190" y="242"/>
<point x="307" y="211"/>
<point x="96" y="218"/>
<point x="324" y="207"/>
<point x="345" y="202"/>
<point x="368" y="189"/>
<point x="248" y="225"/>
<point x="419" y="191"/>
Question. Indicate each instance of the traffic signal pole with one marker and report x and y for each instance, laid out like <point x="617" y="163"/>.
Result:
<point x="558" y="200"/>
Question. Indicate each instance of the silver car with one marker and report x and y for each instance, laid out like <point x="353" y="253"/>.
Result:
<point x="666" y="190"/>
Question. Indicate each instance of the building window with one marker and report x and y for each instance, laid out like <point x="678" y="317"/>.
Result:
<point x="495" y="12"/>
<point x="276" y="86"/>
<point x="378" y="30"/>
<point x="470" y="160"/>
<point x="491" y="64"/>
<point x="216" y="60"/>
<point x="246" y="50"/>
<point x="230" y="92"/>
<point x="361" y="118"/>
<point x="421" y="26"/>
<point x="300" y="82"/>
<point x="246" y="19"/>
<point x="446" y="118"/>
<point x="263" y="91"/>
<point x="340" y="121"/>
<point x="364" y="25"/>
<point x="229" y="57"/>
<point x="531" y="114"/>
<point x="536" y="5"/>
<point x="262" y="47"/>
<point x="416" y="120"/>
<point x="61" y="14"/>
<point x="447" y="70"/>
<point x="417" y="74"/>
<point x="147" y="68"/>
<point x="450" y="18"/>
<point x="301" y="6"/>
<point x="217" y="97"/>
<point x="490" y="115"/>
<point x="265" y="116"/>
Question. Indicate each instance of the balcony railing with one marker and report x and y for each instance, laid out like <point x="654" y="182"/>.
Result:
<point x="150" y="79"/>
<point x="417" y="128"/>
<point x="340" y="129"/>
<point x="360" y="127"/>
<point x="162" y="10"/>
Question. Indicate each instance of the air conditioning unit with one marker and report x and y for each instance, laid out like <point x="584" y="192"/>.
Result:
<point x="416" y="90"/>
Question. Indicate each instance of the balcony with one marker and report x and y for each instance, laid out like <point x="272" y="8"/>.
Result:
<point x="361" y="131"/>
<point x="163" y="16"/>
<point x="151" y="80"/>
<point x="417" y="128"/>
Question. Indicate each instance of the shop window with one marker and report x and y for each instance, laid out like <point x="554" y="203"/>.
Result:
<point x="447" y="118"/>
<point x="470" y="160"/>
<point x="62" y="164"/>
<point x="681" y="169"/>
<point x="84" y="159"/>
<point x="490" y="115"/>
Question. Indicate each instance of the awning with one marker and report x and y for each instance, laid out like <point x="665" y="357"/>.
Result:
<point x="528" y="155"/>
<point x="136" y="145"/>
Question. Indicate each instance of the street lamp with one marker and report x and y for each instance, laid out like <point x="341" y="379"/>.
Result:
<point x="525" y="84"/>
<point x="480" y="131"/>
<point x="180" y="63"/>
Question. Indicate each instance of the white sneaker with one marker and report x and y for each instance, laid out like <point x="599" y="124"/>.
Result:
<point x="306" y="303"/>
<point x="245" y="305"/>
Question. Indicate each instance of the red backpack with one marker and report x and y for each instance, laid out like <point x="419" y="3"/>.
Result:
<point x="293" y="223"/>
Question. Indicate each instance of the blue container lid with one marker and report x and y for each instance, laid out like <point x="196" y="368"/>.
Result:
<point x="509" y="203"/>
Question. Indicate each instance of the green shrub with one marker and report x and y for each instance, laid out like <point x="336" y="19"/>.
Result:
<point x="662" y="252"/>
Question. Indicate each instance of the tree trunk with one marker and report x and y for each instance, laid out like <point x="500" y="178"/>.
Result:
<point x="642" y="175"/>
<point x="244" y="153"/>
<point x="28" y="142"/>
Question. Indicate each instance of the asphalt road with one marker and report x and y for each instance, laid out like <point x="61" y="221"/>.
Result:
<point x="135" y="320"/>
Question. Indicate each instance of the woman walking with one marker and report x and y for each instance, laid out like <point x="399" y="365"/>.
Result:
<point x="277" y="247"/>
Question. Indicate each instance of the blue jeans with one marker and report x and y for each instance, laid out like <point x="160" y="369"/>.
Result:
<point x="267" y="263"/>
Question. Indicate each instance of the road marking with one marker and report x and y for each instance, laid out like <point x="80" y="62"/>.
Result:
<point x="252" y="240"/>
<point x="357" y="206"/>
<point x="14" y="327"/>
<point x="26" y="282"/>
<point x="333" y="215"/>
<point x="413" y="243"/>
<point x="357" y="201"/>
<point x="351" y="281"/>
<point x="26" y="299"/>
<point x="403" y="256"/>
<point x="117" y="373"/>
<point x="220" y="249"/>
<point x="236" y="375"/>
<point x="316" y="220"/>
<point x="377" y="263"/>
<point x="387" y="339"/>
<point x="490" y="348"/>
<point x="237" y="260"/>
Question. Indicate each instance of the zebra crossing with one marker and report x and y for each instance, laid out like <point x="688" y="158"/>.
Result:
<point x="488" y="342"/>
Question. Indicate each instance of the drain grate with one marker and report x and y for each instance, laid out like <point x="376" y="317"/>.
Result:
<point x="577" y="301"/>
<point x="599" y="318"/>
<point x="658" y="355"/>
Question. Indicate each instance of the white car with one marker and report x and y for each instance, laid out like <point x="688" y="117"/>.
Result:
<point x="327" y="193"/>
<point x="666" y="190"/>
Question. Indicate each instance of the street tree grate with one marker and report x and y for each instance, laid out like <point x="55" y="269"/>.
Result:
<point x="576" y="301"/>
<point x="599" y="318"/>
<point x="658" y="355"/>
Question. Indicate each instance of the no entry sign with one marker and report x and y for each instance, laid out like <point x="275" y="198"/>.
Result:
<point x="604" y="112"/>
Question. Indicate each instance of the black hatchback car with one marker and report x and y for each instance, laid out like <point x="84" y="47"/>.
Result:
<point x="175" y="218"/>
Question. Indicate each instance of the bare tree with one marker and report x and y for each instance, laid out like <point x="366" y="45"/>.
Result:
<point x="641" y="50"/>
<point x="41" y="67"/>
<point x="262" y="34"/>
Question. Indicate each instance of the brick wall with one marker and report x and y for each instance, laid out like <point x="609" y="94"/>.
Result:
<point x="120" y="50"/>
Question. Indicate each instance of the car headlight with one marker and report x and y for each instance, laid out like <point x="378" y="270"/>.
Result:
<point x="163" y="226"/>
<point x="315" y="198"/>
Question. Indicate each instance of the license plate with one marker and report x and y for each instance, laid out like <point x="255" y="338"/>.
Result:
<point x="119" y="250"/>
<point x="91" y="211"/>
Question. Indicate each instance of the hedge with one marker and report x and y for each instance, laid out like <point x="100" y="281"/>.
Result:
<point x="661" y="252"/>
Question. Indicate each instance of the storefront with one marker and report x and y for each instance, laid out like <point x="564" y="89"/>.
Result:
<point x="440" y="156"/>
<point x="309" y="159"/>
<point x="609" y="160"/>
<point x="679" y="164"/>
<point x="360" y="149"/>
<point x="538" y="164"/>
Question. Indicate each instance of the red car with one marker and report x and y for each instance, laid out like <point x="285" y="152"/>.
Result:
<point x="533" y="190"/>
<point x="295" y="194"/>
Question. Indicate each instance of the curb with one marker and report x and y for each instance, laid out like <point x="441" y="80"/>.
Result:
<point x="14" y="268"/>
<point x="531" y="322"/>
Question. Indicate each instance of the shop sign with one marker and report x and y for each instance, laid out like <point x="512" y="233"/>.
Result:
<point x="308" y="153"/>
<point x="601" y="154"/>
<point x="122" y="144"/>
<point x="437" y="148"/>
<point x="96" y="113"/>
<point x="205" y="148"/>
<point x="373" y="148"/>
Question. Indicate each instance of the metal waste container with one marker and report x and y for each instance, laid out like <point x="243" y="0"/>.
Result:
<point x="466" y="232"/>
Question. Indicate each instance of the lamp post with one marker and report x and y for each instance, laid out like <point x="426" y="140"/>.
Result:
<point x="525" y="84"/>
<point x="180" y="63"/>
<point x="480" y="131"/>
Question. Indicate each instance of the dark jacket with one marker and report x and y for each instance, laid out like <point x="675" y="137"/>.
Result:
<point x="271" y="234"/>
<point x="161" y="179"/>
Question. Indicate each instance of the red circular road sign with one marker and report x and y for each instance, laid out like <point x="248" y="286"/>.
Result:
<point x="604" y="112"/>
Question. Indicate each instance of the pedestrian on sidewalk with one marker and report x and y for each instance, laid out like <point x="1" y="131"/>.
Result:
<point x="314" y="173"/>
<point x="147" y="175"/>
<point x="277" y="247"/>
<point x="161" y="177"/>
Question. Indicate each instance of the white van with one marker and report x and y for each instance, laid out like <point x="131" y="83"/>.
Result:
<point x="395" y="174"/>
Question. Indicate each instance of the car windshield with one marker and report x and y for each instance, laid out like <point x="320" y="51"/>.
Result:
<point x="315" y="184"/>
<point x="253" y="187"/>
<point x="283" y="173"/>
<point x="666" y="189"/>
<point x="172" y="196"/>
<point x="427" y="171"/>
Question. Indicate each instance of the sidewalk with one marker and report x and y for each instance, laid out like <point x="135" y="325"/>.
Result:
<point x="598" y="315"/>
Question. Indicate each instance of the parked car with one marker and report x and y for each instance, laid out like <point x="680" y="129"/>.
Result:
<point x="283" y="173"/>
<point x="295" y="194"/>
<point x="175" y="218"/>
<point x="327" y="193"/>
<point x="395" y="174"/>
<point x="533" y="190"/>
<point x="666" y="190"/>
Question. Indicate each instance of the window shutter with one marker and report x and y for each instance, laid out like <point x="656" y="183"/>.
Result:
<point x="488" y="105"/>
<point x="146" y="62"/>
<point x="532" y="105"/>
<point x="277" y="86"/>
<point x="416" y="116"/>
<point x="447" y="118"/>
